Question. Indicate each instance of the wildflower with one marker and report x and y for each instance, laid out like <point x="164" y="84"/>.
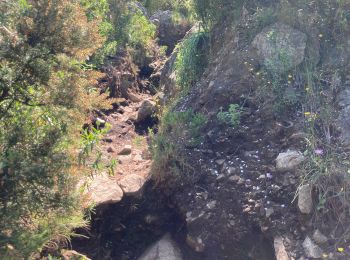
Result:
<point x="258" y="73"/>
<point x="320" y="35"/>
<point x="290" y="76"/>
<point x="325" y="255"/>
<point x="340" y="249"/>
<point x="318" y="151"/>
<point x="289" y="82"/>
<point x="307" y="113"/>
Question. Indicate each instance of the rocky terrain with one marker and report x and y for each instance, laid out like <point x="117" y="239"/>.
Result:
<point x="245" y="198"/>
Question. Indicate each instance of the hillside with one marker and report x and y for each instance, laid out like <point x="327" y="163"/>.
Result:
<point x="178" y="130"/>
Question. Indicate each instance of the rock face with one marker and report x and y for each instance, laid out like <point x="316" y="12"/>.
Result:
<point x="105" y="190"/>
<point x="132" y="184"/>
<point x="280" y="250"/>
<point x="146" y="110"/>
<point x="311" y="249"/>
<point x="170" y="31"/>
<point x="288" y="161"/>
<point x="280" y="47"/>
<point x="305" y="199"/>
<point x="164" y="249"/>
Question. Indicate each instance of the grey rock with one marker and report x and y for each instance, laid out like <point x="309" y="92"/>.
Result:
<point x="289" y="161"/>
<point x="311" y="249"/>
<point x="126" y="150"/>
<point x="146" y="110"/>
<point x="164" y="249"/>
<point x="280" y="47"/>
<point x="280" y="249"/>
<point x="305" y="203"/>
<point x="269" y="212"/>
<point x="319" y="238"/>
<point x="104" y="190"/>
<point x="132" y="184"/>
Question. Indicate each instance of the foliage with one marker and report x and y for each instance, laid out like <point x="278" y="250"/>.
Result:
<point x="191" y="61"/>
<point x="181" y="7"/>
<point x="231" y="117"/>
<point x="177" y="129"/>
<point x="123" y="24"/>
<point x="46" y="95"/>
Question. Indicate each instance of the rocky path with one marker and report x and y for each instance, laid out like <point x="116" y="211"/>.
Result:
<point x="126" y="144"/>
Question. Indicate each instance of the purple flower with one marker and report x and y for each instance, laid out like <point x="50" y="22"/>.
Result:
<point x="318" y="151"/>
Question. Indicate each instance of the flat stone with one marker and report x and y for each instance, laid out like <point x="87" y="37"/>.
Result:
<point x="164" y="249"/>
<point x="289" y="161"/>
<point x="105" y="190"/>
<point x="126" y="150"/>
<point x="280" y="249"/>
<point x="305" y="203"/>
<point x="311" y="249"/>
<point x="132" y="184"/>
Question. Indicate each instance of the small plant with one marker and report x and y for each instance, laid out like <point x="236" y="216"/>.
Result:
<point x="138" y="140"/>
<point x="231" y="117"/>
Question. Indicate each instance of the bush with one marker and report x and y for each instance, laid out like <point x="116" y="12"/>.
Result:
<point x="177" y="130"/>
<point x="45" y="98"/>
<point x="231" y="117"/>
<point x="191" y="60"/>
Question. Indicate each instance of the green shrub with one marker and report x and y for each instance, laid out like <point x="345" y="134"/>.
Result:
<point x="177" y="130"/>
<point x="46" y="96"/>
<point x="231" y="117"/>
<point x="191" y="60"/>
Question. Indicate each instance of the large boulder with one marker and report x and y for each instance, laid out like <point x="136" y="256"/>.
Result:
<point x="132" y="184"/>
<point x="169" y="30"/>
<point x="289" y="161"/>
<point x="105" y="190"/>
<point x="305" y="202"/>
<point x="164" y="249"/>
<point x="146" y="110"/>
<point x="280" y="47"/>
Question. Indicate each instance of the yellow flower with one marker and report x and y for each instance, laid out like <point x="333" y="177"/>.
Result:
<point x="340" y="249"/>
<point x="307" y="113"/>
